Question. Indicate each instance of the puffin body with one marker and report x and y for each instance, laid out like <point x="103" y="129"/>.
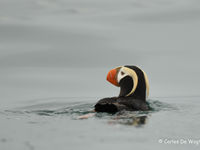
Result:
<point x="134" y="89"/>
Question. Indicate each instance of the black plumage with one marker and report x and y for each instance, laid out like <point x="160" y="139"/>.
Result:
<point x="133" y="102"/>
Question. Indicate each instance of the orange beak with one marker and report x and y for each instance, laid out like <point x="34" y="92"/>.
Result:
<point x="112" y="77"/>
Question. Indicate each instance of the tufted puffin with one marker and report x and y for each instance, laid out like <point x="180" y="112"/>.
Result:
<point x="134" y="89"/>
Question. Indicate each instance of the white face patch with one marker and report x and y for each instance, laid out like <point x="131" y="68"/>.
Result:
<point x="121" y="74"/>
<point x="125" y="71"/>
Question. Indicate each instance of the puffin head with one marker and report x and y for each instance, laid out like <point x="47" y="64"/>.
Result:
<point x="133" y="81"/>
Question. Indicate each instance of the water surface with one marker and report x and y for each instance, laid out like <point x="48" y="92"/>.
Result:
<point x="52" y="123"/>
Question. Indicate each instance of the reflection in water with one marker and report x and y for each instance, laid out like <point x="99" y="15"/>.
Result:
<point x="136" y="121"/>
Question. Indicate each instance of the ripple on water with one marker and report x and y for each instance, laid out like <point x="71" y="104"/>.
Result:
<point x="76" y="109"/>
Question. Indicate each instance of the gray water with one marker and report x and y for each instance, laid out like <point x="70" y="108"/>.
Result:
<point x="54" y="57"/>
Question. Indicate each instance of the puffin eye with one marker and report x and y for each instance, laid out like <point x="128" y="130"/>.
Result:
<point x="122" y="73"/>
